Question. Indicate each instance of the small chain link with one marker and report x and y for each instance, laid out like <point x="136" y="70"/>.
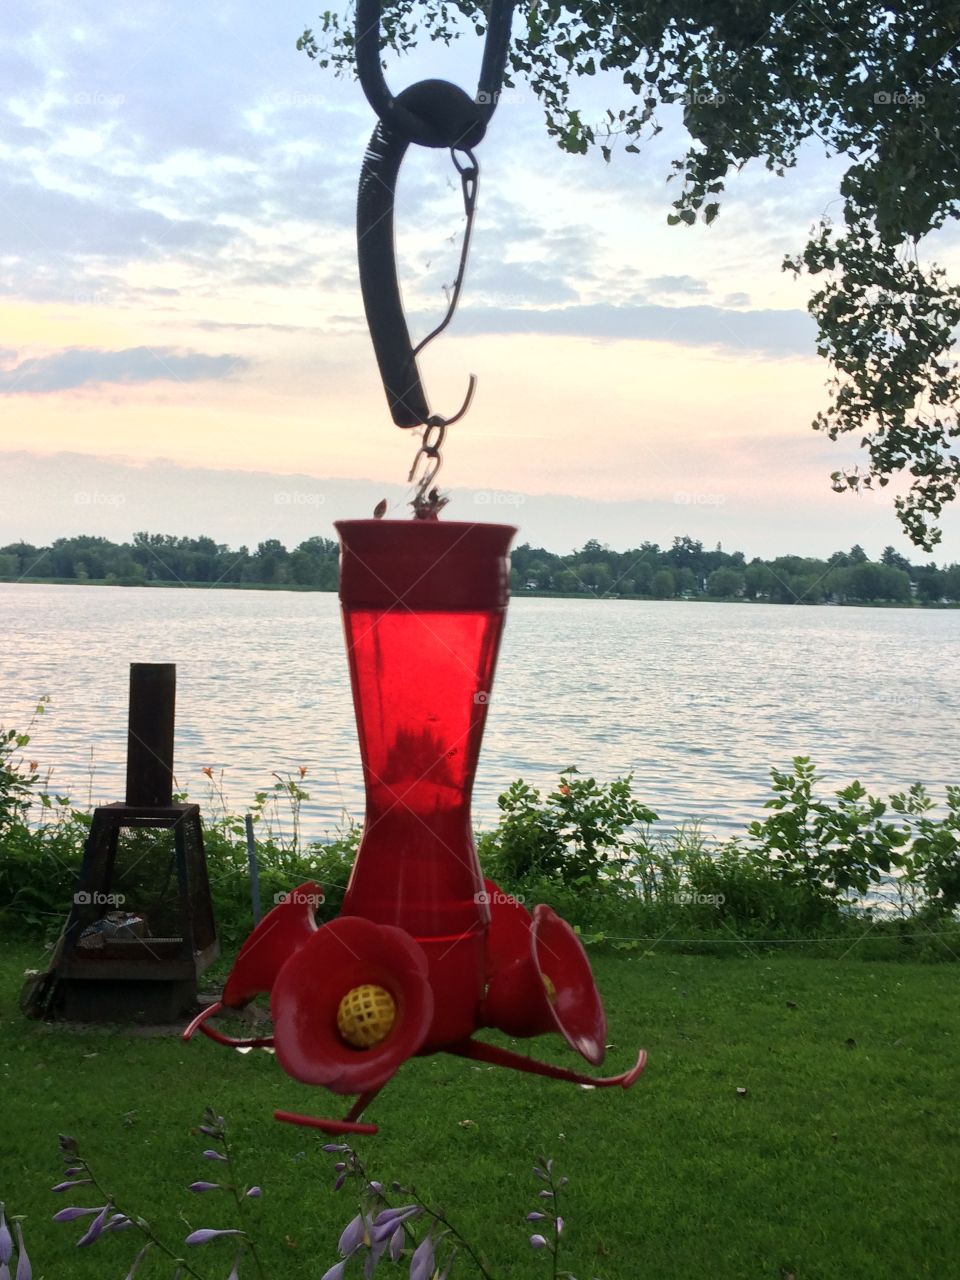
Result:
<point x="431" y="442"/>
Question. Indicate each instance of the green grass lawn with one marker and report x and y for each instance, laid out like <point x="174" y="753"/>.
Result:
<point x="842" y="1160"/>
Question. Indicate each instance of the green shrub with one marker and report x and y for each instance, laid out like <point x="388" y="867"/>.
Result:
<point x="18" y="776"/>
<point x="738" y="890"/>
<point x="577" y="835"/>
<point x="830" y="850"/>
<point x="38" y="872"/>
<point x="933" y="859"/>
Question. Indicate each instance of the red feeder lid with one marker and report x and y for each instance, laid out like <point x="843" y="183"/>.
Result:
<point x="424" y="564"/>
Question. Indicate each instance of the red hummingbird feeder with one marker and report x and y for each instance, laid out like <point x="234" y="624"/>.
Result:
<point x="426" y="952"/>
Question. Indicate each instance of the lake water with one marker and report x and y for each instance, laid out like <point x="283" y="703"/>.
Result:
<point x="698" y="701"/>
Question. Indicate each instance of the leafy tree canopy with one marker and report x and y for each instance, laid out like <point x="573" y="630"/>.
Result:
<point x="875" y="83"/>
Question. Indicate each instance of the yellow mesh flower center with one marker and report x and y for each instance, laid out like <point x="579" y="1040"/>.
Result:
<point x="550" y="989"/>
<point x="366" y="1016"/>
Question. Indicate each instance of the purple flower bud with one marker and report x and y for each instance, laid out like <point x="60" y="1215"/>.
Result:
<point x="339" y="1167"/>
<point x="213" y="1155"/>
<point x="335" y="1272"/>
<point x="421" y="1264"/>
<point x="387" y="1222"/>
<point x="71" y="1214"/>
<point x="204" y="1186"/>
<point x="72" y="1173"/>
<point x="540" y="1173"/>
<point x="538" y="1242"/>
<point x="546" y="1195"/>
<point x="119" y="1222"/>
<point x="206" y="1234"/>
<point x="96" y="1227"/>
<point x="65" y="1186"/>
<point x="4" y="1271"/>
<point x="254" y="1193"/>
<point x="68" y="1145"/>
<point x="352" y="1237"/>
<point x="335" y="1146"/>
<point x="562" y="1182"/>
<point x="549" y="1166"/>
<point x="24" y="1269"/>
<point x="536" y="1217"/>
<point x="339" y="1182"/>
<point x="210" y="1132"/>
<point x="6" y="1239"/>
<point x="393" y="1212"/>
<point x="377" y="1187"/>
<point x="396" y="1244"/>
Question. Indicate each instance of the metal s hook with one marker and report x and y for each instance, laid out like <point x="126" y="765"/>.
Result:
<point x="436" y="421"/>
<point x="427" y="506"/>
<point x="469" y="172"/>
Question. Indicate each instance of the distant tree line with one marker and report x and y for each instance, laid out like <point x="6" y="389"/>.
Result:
<point x="165" y="558"/>
<point x="685" y="570"/>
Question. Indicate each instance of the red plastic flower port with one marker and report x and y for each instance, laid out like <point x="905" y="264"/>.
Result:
<point x="575" y="1004"/>
<point x="351" y="1006"/>
<point x="539" y="978"/>
<point x="281" y="932"/>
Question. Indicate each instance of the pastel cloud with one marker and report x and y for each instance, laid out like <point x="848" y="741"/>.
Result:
<point x="766" y="332"/>
<point x="83" y="366"/>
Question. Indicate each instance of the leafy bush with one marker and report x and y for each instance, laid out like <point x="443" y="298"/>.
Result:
<point x="18" y="776"/>
<point x="577" y="835"/>
<point x="38" y="871"/>
<point x="933" y="858"/>
<point x="828" y="849"/>
<point x="740" y="890"/>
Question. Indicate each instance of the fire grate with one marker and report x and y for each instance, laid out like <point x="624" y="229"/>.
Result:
<point x="141" y="928"/>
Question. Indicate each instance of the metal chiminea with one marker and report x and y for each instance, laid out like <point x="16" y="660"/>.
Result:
<point x="141" y="927"/>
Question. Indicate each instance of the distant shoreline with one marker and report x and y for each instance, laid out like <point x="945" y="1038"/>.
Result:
<point x="519" y="593"/>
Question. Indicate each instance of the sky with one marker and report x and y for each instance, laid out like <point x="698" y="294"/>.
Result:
<point x="182" y="340"/>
